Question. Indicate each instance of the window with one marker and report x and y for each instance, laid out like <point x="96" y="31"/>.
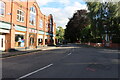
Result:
<point x="53" y="28"/>
<point x="19" y="40"/>
<point x="20" y="15"/>
<point x="50" y="25"/>
<point x="41" y="24"/>
<point x="40" y="41"/>
<point x="32" y="20"/>
<point x="2" y="8"/>
<point x="46" y="25"/>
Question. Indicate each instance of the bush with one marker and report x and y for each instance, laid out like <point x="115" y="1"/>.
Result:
<point x="115" y="40"/>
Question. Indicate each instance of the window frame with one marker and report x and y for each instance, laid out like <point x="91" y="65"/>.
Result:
<point x="46" y="25"/>
<point x="41" y="23"/>
<point x="20" y="15"/>
<point x="4" y="9"/>
<point x="32" y="13"/>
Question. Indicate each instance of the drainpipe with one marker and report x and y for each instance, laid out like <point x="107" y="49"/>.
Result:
<point x="12" y="31"/>
<point x="27" y="31"/>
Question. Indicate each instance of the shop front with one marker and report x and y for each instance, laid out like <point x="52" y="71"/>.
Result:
<point x="32" y="38"/>
<point x="46" y="40"/>
<point x="20" y="32"/>
<point x="4" y="35"/>
<point x="2" y="42"/>
<point x="40" y="40"/>
<point x="19" y="39"/>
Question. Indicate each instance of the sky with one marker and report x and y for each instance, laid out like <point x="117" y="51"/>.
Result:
<point x="61" y="9"/>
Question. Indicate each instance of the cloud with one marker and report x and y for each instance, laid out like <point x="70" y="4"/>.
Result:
<point x="61" y="14"/>
<point x="43" y="2"/>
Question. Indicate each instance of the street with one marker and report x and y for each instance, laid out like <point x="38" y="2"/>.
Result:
<point x="69" y="61"/>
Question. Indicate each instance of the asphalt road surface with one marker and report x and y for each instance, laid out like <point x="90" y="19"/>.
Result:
<point x="69" y="61"/>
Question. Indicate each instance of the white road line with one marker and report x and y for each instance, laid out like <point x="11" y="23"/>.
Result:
<point x="69" y="53"/>
<point x="34" y="72"/>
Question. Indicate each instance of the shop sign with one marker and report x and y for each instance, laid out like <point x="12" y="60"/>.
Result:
<point x="5" y="25"/>
<point x="4" y="31"/>
<point x="19" y="33"/>
<point x="32" y="31"/>
<point x="19" y="28"/>
<point x="41" y="32"/>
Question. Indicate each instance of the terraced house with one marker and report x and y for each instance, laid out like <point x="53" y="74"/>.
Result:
<point x="22" y="25"/>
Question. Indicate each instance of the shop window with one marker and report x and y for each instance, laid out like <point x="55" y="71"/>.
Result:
<point x="2" y="8"/>
<point x="40" y="41"/>
<point x="19" y="40"/>
<point x="20" y="16"/>
<point x="46" y="41"/>
<point x="32" y="20"/>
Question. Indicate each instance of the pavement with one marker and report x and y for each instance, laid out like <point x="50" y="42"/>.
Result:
<point x="26" y="51"/>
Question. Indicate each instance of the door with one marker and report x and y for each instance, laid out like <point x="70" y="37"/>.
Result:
<point x="2" y="42"/>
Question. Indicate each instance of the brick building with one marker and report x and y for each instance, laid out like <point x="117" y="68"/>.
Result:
<point x="22" y="25"/>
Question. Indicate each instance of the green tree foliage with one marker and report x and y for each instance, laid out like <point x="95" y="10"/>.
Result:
<point x="86" y="34"/>
<point x="75" y="25"/>
<point x="60" y="33"/>
<point x="105" y="18"/>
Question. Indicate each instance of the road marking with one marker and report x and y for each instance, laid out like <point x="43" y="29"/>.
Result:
<point x="69" y="53"/>
<point x="34" y="72"/>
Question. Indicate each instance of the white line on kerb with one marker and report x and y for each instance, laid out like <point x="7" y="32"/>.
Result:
<point x="34" y="72"/>
<point x="69" y="53"/>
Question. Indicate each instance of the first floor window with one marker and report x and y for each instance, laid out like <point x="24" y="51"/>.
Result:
<point x="46" y="25"/>
<point x="20" y="16"/>
<point x="41" y="24"/>
<point x="2" y="8"/>
<point x="32" y="19"/>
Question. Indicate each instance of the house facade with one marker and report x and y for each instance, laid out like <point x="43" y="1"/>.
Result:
<point x="22" y="25"/>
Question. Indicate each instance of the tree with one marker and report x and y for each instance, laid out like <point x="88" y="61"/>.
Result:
<point x="75" y="25"/>
<point x="60" y="33"/>
<point x="104" y="19"/>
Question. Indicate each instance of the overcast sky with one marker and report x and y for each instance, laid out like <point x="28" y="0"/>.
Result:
<point x="61" y="9"/>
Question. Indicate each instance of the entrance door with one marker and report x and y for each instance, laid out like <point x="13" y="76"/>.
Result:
<point x="2" y="42"/>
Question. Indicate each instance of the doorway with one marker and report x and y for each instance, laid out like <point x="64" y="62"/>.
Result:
<point x="2" y="42"/>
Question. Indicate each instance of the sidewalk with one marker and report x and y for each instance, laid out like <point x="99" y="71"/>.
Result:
<point x="25" y="51"/>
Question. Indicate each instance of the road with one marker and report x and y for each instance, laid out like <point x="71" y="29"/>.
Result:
<point x="70" y="61"/>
